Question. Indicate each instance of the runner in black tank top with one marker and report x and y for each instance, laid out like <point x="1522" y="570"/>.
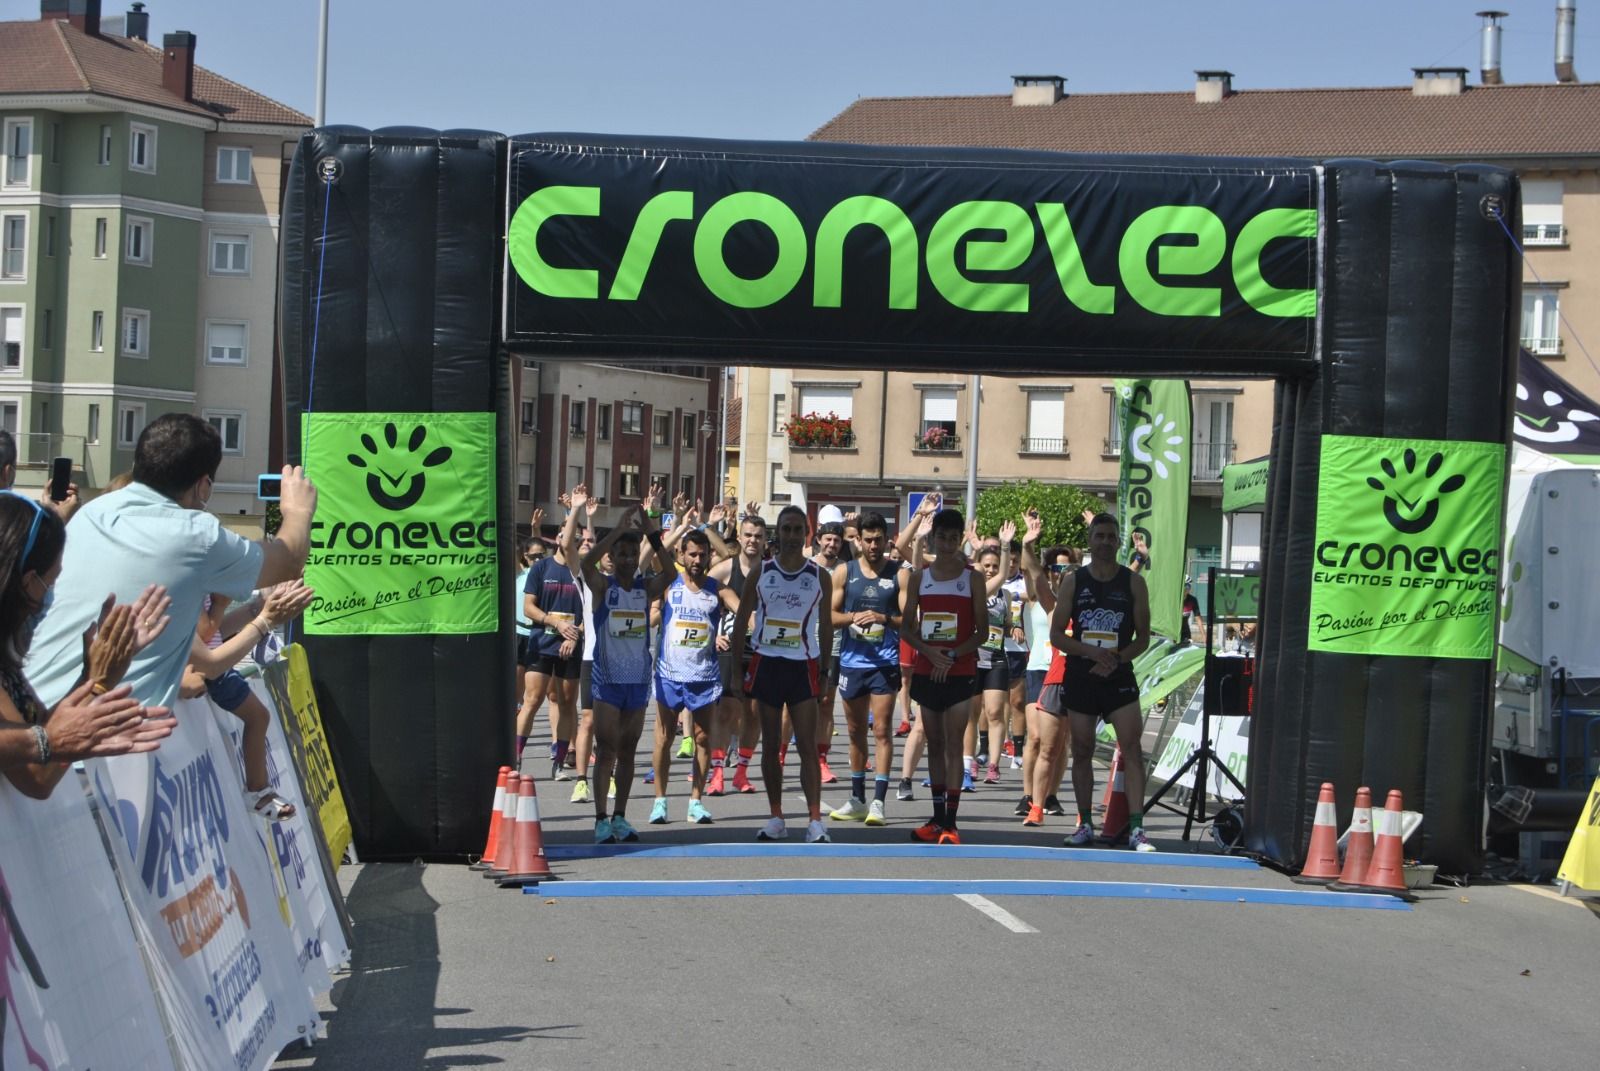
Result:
<point x="738" y="714"/>
<point x="1110" y="609"/>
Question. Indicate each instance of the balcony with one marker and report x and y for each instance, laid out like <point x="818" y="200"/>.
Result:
<point x="1209" y="458"/>
<point x="813" y="432"/>
<point x="37" y="449"/>
<point x="576" y="431"/>
<point x="1544" y="234"/>
<point x="1110" y="447"/>
<point x="1543" y="347"/>
<point x="936" y="440"/>
<point x="1032" y="444"/>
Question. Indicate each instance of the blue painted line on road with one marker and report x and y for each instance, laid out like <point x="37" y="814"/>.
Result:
<point x="752" y="850"/>
<point x="1122" y="890"/>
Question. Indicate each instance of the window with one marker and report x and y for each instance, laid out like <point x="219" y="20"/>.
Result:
<point x="1541" y="317"/>
<point x="602" y="484"/>
<point x="9" y="411"/>
<point x="100" y="237"/>
<point x="130" y="422"/>
<point x="230" y="254"/>
<point x="775" y="495"/>
<point x="227" y="341"/>
<point x="1046" y="423"/>
<point x="47" y="327"/>
<point x="94" y="423"/>
<point x="688" y="430"/>
<point x="11" y="338"/>
<point x="633" y="418"/>
<point x="14" y="247"/>
<point x="527" y="416"/>
<point x="1213" y="437"/>
<point x="230" y="425"/>
<point x="233" y="164"/>
<point x="524" y="483"/>
<point x="574" y="476"/>
<point x="142" y="147"/>
<point x="19" y="146"/>
<point x="576" y="422"/>
<point x="1113" y="424"/>
<point x="686" y="486"/>
<point x="49" y="236"/>
<point x="823" y="400"/>
<point x="938" y="428"/>
<point x="1542" y="222"/>
<point x="97" y="332"/>
<point x="138" y="238"/>
<point x="663" y="429"/>
<point x="780" y="413"/>
<point x="135" y="333"/>
<point x="104" y="159"/>
<point x="602" y="422"/>
<point x="628" y="481"/>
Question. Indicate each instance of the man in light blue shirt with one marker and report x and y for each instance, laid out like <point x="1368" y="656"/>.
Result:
<point x="157" y="531"/>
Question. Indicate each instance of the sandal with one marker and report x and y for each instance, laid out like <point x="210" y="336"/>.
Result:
<point x="269" y="805"/>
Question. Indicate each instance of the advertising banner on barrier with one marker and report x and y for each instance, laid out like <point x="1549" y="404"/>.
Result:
<point x="73" y="989"/>
<point x="405" y="541"/>
<point x="1244" y="485"/>
<point x="1407" y="555"/>
<point x="1153" y="489"/>
<point x="1230" y="737"/>
<point x="938" y="257"/>
<point x="288" y="681"/>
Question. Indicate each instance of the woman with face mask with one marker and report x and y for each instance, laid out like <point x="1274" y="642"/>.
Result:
<point x="96" y="718"/>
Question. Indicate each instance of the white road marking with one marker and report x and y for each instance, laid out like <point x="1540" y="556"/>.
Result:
<point x="1551" y="894"/>
<point x="996" y="912"/>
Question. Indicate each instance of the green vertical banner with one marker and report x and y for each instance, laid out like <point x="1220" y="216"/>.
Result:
<point x="1153" y="489"/>
<point x="404" y="542"/>
<point x="1407" y="547"/>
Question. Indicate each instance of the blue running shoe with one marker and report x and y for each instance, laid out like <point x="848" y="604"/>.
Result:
<point x="698" y="813"/>
<point x="603" y="833"/>
<point x="624" y="832"/>
<point x="966" y="782"/>
<point x="658" y="811"/>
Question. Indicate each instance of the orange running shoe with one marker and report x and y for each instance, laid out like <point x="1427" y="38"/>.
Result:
<point x="929" y="833"/>
<point x="950" y="836"/>
<point x="741" y="780"/>
<point x="828" y="777"/>
<point x="1035" y="816"/>
<point x="714" y="783"/>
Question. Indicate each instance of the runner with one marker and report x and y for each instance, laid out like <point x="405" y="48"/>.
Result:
<point x="738" y="710"/>
<point x="1016" y="589"/>
<point x="1109" y="606"/>
<point x="994" y="669"/>
<point x="792" y="640"/>
<point x="944" y="606"/>
<point x="866" y="611"/>
<point x="553" y="606"/>
<point x="1046" y="666"/>
<point x="830" y="547"/>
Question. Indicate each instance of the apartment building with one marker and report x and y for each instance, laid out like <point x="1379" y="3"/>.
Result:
<point x="139" y="197"/>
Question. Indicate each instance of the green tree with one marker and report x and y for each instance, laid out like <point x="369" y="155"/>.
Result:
<point x="1060" y="506"/>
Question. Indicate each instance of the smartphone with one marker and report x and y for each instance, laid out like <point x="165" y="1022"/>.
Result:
<point x="269" y="487"/>
<point x="60" y="478"/>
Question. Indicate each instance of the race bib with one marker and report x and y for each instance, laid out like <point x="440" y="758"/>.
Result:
<point x="555" y="621"/>
<point x="626" y="624"/>
<point x="1099" y="639"/>
<point x="939" y="627"/>
<point x="777" y="632"/>
<point x="996" y="640"/>
<point x="871" y="634"/>
<point x="693" y="635"/>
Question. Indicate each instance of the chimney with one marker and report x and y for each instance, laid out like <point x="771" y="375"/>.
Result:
<point x="1212" y="86"/>
<point x="84" y="14"/>
<point x="177" y="63"/>
<point x="1030" y="89"/>
<point x="1489" y="64"/>
<point x="138" y="23"/>
<point x="1438" y="81"/>
<point x="1566" y="18"/>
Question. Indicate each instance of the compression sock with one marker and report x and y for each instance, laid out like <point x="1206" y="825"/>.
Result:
<point x="983" y="741"/>
<point x="1135" y="820"/>
<point x="822" y="751"/>
<point x="940" y="806"/>
<point x="745" y="754"/>
<point x="952" y="800"/>
<point x="522" y="742"/>
<point x="1017" y="744"/>
<point x="558" y="754"/>
<point x="718" y="759"/>
<point x="858" y="785"/>
<point x="880" y="788"/>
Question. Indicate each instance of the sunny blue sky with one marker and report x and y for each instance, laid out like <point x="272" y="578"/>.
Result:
<point x="767" y="70"/>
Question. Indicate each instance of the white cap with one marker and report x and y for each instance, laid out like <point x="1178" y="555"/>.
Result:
<point x="830" y="514"/>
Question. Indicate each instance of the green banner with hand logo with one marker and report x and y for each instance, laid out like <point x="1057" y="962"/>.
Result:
<point x="1153" y="490"/>
<point x="404" y="541"/>
<point x="1407" y="547"/>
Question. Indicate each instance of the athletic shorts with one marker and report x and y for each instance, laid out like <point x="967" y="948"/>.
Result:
<point x="686" y="695"/>
<point x="229" y="691"/>
<point x="725" y="660"/>
<point x="586" y="685"/>
<point x="940" y="695"/>
<point x="622" y="696"/>
<point x="780" y="681"/>
<point x="522" y="648"/>
<point x="1087" y="694"/>
<point x="1016" y="664"/>
<point x="996" y="678"/>
<point x="566" y="669"/>
<point x="855" y="683"/>
<point x="1034" y="686"/>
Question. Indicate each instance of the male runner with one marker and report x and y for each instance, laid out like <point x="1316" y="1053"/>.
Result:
<point x="792" y="637"/>
<point x="828" y="554"/>
<point x="944" y="608"/>
<point x="554" y="608"/>
<point x="1109" y="606"/>
<point x="738" y="711"/>
<point x="866" y="610"/>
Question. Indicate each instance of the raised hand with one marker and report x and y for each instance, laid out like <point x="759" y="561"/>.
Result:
<point x="286" y="602"/>
<point x="718" y="514"/>
<point x="537" y="521"/>
<point x="680" y="503"/>
<point x="1033" y="526"/>
<point x="577" y="498"/>
<point x="1008" y="532"/>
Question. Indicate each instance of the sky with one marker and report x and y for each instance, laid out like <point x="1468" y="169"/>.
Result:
<point x="761" y="70"/>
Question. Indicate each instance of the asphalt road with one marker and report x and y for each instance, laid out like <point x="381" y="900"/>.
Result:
<point x="1116" y="961"/>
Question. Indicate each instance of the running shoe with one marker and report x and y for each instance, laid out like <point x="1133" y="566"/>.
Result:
<point x="1035" y="816"/>
<point x="698" y="813"/>
<point x="1016" y="763"/>
<point x="979" y="761"/>
<point x="580" y="792"/>
<point x="927" y="783"/>
<point x="622" y="830"/>
<point x="649" y="778"/>
<point x="686" y="749"/>
<point x="828" y="777"/>
<point x="929" y="832"/>
<point x="1139" y="842"/>
<point x="1021" y="809"/>
<point x="604" y="832"/>
<point x="714" y="785"/>
<point x="1008" y="748"/>
<point x="816" y="832"/>
<point x="558" y="772"/>
<point x="904" y="792"/>
<point x="875" y="814"/>
<point x="658" y="811"/>
<point x="1052" y="806"/>
<point x="1081" y="837"/>
<point x="773" y="830"/>
<point x="993" y="776"/>
<point x="950" y="836"/>
<point x="611" y="792"/>
<point x="903" y="729"/>
<point x="854" y="810"/>
<point x="967" y="784"/>
<point x="741" y="780"/>
<point x="572" y="760"/>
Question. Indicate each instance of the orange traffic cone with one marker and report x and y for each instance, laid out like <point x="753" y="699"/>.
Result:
<point x="500" y="866"/>
<point x="1114" y="826"/>
<point x="528" y="863"/>
<point x="486" y="860"/>
<point x="1322" y="858"/>
<point x="1358" y="847"/>
<point x="1386" y="874"/>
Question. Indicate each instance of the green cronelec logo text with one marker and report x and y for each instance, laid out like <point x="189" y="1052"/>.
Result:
<point x="947" y="251"/>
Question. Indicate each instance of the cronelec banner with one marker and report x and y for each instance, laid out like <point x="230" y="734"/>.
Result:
<point x="1153" y="489"/>
<point x="933" y="256"/>
<point x="1407" y="551"/>
<point x="405" y="540"/>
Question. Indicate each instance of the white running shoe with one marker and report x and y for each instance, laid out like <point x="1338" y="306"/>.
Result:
<point x="875" y="814"/>
<point x="1139" y="842"/>
<point x="816" y="832"/>
<point x="773" y="830"/>
<point x="853" y="811"/>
